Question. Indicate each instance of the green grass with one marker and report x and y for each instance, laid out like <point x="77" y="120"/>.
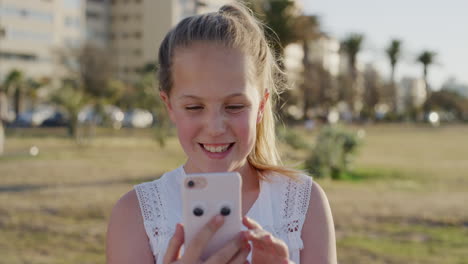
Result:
<point x="405" y="201"/>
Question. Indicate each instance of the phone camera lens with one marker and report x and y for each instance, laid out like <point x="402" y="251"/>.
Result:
<point x="190" y="183"/>
<point x="225" y="211"/>
<point x="197" y="211"/>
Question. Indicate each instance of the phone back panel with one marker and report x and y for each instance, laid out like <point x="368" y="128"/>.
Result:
<point x="214" y="191"/>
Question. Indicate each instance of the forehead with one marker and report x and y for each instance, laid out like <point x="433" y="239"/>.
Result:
<point x="209" y="66"/>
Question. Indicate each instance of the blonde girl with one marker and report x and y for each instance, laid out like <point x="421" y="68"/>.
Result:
<point x="218" y="79"/>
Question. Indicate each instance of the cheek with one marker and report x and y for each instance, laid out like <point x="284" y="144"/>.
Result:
<point x="245" y="127"/>
<point x="186" y="128"/>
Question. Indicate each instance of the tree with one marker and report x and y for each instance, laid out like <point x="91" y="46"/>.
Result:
<point x="448" y="101"/>
<point x="14" y="83"/>
<point x="279" y="17"/>
<point x="3" y="117"/>
<point x="352" y="45"/>
<point x="372" y="91"/>
<point x="142" y="94"/>
<point x="89" y="70"/>
<point x="307" y="28"/>
<point x="393" y="52"/>
<point x="71" y="100"/>
<point x="426" y="58"/>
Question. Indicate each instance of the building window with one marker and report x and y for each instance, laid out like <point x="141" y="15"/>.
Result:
<point x="72" y="22"/>
<point x="12" y="11"/>
<point x="72" y="4"/>
<point x="18" y="56"/>
<point x="137" y="35"/>
<point x="29" y="35"/>
<point x="93" y="15"/>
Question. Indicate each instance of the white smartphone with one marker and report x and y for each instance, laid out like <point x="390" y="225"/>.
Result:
<point x="206" y="195"/>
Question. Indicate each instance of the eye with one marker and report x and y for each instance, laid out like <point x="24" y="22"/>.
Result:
<point x="193" y="107"/>
<point x="235" y="108"/>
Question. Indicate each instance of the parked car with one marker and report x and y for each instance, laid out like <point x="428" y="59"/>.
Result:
<point x="138" y="118"/>
<point x="58" y="119"/>
<point x="112" y="113"/>
<point x="34" y="117"/>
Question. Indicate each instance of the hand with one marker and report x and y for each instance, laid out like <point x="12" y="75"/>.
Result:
<point x="234" y="252"/>
<point x="266" y="248"/>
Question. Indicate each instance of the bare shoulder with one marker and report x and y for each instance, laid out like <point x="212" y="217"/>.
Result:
<point x="126" y="237"/>
<point x="318" y="232"/>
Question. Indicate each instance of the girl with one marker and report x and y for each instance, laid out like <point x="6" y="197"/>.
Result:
<point x="217" y="79"/>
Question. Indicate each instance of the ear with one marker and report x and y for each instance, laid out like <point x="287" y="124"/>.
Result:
<point x="261" y="109"/>
<point x="165" y="97"/>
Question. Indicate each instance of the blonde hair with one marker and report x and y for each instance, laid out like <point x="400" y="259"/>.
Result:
<point x="234" y="26"/>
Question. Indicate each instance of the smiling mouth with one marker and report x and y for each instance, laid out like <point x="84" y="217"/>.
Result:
<point x="216" y="148"/>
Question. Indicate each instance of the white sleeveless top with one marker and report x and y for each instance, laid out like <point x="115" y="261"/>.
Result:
<point x="280" y="209"/>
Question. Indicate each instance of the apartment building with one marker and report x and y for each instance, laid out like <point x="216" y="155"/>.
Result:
<point x="137" y="28"/>
<point x="31" y="30"/>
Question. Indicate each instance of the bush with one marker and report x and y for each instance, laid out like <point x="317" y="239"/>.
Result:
<point x="332" y="153"/>
<point x="292" y="138"/>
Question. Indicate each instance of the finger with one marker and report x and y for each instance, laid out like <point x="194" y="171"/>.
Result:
<point x="241" y="256"/>
<point x="250" y="223"/>
<point x="263" y="240"/>
<point x="196" y="246"/>
<point x="176" y="242"/>
<point x="257" y="235"/>
<point x="229" y="250"/>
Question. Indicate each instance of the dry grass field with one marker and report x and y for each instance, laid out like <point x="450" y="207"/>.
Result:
<point x="408" y="206"/>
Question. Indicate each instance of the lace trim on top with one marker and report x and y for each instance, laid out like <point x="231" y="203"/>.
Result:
<point x="296" y="196"/>
<point x="152" y="202"/>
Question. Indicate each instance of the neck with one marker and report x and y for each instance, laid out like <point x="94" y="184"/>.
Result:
<point x="250" y="178"/>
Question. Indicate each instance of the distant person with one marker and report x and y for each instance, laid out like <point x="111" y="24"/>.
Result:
<point x="218" y="78"/>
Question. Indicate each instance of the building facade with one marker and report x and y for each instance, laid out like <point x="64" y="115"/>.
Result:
<point x="32" y="30"/>
<point x="411" y="94"/>
<point x="138" y="27"/>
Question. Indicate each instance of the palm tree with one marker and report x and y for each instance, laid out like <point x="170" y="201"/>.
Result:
<point x="306" y="28"/>
<point x="351" y="46"/>
<point x="426" y="58"/>
<point x="393" y="52"/>
<point x="279" y="17"/>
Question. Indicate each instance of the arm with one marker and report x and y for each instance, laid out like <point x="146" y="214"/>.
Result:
<point x="126" y="237"/>
<point x="318" y="232"/>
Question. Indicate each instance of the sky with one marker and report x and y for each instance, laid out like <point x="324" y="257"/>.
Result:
<point x="436" y="25"/>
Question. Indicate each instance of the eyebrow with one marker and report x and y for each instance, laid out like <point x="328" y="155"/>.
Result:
<point x="197" y="97"/>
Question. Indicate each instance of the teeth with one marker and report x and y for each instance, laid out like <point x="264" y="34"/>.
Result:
<point x="216" y="149"/>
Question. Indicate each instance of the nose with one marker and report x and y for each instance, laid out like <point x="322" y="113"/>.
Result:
<point x="215" y="123"/>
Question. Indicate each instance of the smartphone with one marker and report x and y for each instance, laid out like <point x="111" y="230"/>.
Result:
<point x="205" y="195"/>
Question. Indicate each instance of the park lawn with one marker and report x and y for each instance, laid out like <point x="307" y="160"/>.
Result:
<point x="409" y="206"/>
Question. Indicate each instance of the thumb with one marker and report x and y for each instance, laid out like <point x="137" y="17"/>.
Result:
<point x="176" y="242"/>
